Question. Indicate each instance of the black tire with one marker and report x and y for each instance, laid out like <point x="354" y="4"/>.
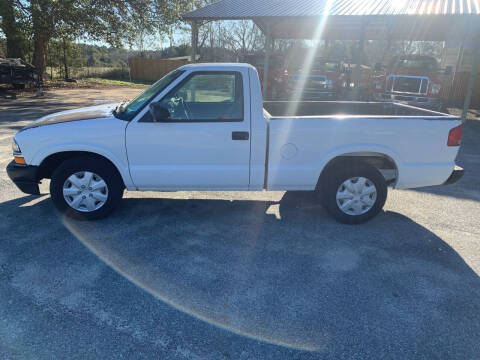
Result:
<point x="337" y="175"/>
<point x="98" y="166"/>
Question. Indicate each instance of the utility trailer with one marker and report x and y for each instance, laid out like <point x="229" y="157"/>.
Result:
<point x="18" y="73"/>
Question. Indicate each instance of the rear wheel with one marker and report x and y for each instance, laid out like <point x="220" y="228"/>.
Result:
<point x="353" y="193"/>
<point x="86" y="188"/>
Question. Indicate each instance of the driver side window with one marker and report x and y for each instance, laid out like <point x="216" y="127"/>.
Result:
<point x="206" y="97"/>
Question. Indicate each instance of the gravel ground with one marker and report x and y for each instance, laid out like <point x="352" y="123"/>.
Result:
<point x="237" y="275"/>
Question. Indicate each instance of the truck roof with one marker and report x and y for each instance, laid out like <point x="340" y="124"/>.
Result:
<point x="216" y="66"/>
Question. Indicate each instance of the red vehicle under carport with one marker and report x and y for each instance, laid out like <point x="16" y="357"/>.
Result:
<point x="277" y="79"/>
<point x="323" y="79"/>
<point x="411" y="79"/>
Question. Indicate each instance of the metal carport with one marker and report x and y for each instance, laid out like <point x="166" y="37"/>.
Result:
<point x="423" y="20"/>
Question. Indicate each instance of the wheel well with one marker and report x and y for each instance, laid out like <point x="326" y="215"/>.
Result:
<point x="51" y="162"/>
<point x="382" y="162"/>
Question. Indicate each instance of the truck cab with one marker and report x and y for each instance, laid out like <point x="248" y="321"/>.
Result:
<point x="410" y="79"/>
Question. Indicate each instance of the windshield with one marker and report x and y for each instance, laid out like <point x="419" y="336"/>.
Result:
<point x="426" y="64"/>
<point x="259" y="62"/>
<point x="323" y="66"/>
<point x="128" y="110"/>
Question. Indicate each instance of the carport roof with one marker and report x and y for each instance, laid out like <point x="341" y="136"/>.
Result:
<point x="248" y="9"/>
<point x="348" y="19"/>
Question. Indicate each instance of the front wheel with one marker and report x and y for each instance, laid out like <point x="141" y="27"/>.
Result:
<point x="354" y="193"/>
<point x="86" y="188"/>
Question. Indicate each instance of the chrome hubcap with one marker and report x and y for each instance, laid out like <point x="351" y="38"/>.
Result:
<point x="85" y="191"/>
<point x="356" y="196"/>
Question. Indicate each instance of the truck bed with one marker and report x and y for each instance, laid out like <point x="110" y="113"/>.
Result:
<point x="342" y="108"/>
<point x="303" y="136"/>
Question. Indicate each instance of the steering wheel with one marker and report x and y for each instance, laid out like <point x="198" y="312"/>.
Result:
<point x="185" y="108"/>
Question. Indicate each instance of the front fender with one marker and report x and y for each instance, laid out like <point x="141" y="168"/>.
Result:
<point x="120" y="164"/>
<point x="105" y="137"/>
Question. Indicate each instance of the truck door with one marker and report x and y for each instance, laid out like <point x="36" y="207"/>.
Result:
<point x="200" y="140"/>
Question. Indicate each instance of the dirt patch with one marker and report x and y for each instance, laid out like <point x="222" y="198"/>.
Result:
<point x="82" y="96"/>
<point x="49" y="86"/>
<point x="28" y="106"/>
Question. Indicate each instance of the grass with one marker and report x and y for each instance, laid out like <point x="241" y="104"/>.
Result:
<point x="115" y="82"/>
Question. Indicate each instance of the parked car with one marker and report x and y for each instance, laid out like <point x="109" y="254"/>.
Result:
<point x="411" y="79"/>
<point x="323" y="79"/>
<point x="18" y="73"/>
<point x="204" y="127"/>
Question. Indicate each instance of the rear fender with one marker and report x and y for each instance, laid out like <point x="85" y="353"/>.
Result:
<point x="359" y="150"/>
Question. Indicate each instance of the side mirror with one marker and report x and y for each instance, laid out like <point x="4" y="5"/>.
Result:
<point x="378" y="67"/>
<point x="448" y="70"/>
<point x="159" y="112"/>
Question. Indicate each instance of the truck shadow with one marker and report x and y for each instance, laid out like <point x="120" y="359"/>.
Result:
<point x="281" y="272"/>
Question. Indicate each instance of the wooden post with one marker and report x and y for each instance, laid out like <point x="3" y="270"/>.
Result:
<point x="194" y="41"/>
<point x="457" y="69"/>
<point x="471" y="80"/>
<point x="357" y="73"/>
<point x="268" y="45"/>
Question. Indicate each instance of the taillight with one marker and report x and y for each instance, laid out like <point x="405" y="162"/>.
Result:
<point x="455" y="136"/>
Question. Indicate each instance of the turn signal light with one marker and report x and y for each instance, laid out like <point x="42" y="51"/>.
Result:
<point x="19" y="160"/>
<point x="455" y="136"/>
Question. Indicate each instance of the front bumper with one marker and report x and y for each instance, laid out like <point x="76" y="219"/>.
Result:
<point x="25" y="177"/>
<point x="410" y="99"/>
<point x="456" y="175"/>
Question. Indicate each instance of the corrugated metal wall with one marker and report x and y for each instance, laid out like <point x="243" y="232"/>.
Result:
<point x="456" y="95"/>
<point x="235" y="9"/>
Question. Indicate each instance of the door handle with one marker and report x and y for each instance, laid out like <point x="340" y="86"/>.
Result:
<point x="240" y="135"/>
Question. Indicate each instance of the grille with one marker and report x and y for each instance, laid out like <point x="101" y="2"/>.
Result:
<point x="408" y="84"/>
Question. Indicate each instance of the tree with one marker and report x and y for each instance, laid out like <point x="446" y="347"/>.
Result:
<point x="12" y="27"/>
<point x="112" y="21"/>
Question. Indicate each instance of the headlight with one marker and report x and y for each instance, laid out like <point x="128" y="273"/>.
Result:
<point x="15" y="147"/>
<point x="352" y="84"/>
<point x="436" y="89"/>
<point x="17" y="154"/>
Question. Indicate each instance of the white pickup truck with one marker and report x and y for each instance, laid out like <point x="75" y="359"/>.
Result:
<point x="205" y="127"/>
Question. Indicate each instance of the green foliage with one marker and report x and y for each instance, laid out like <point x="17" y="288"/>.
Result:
<point x="16" y="28"/>
<point x="111" y="21"/>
